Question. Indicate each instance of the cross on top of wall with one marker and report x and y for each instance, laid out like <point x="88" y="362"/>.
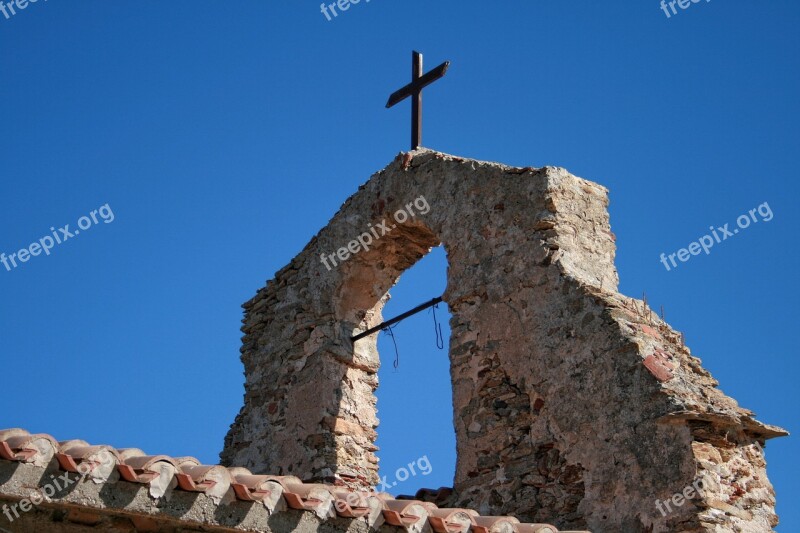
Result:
<point x="414" y="90"/>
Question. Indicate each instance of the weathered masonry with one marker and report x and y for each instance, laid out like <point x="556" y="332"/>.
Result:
<point x="573" y="404"/>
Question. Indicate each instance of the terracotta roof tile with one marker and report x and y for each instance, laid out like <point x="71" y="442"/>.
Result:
<point x="312" y="497"/>
<point x="252" y="488"/>
<point x="212" y="480"/>
<point x="162" y="474"/>
<point x="19" y="445"/>
<point x="96" y="462"/>
<point x="158" y="472"/>
<point x="450" y="520"/>
<point x="494" y="524"/>
<point x="408" y="514"/>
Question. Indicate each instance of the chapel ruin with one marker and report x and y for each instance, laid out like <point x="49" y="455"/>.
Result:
<point x="572" y="403"/>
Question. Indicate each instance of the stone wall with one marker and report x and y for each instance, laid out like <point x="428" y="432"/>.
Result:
<point x="573" y="404"/>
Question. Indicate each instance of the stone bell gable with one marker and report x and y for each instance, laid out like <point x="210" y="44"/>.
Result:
<point x="572" y="403"/>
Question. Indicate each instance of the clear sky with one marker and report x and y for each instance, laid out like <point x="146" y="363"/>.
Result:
<point x="224" y="135"/>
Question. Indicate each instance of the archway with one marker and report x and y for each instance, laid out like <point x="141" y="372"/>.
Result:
<point x="422" y="456"/>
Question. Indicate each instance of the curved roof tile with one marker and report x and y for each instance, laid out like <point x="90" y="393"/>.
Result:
<point x="276" y="493"/>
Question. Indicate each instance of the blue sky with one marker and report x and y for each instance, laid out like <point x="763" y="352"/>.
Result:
<point x="223" y="136"/>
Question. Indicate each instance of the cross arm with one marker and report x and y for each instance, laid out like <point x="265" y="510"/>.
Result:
<point x="401" y="94"/>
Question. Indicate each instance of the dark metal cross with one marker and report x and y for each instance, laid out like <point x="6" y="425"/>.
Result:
<point x="414" y="90"/>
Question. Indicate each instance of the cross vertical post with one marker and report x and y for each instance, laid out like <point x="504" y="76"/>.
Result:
<point x="414" y="90"/>
<point x="416" y="101"/>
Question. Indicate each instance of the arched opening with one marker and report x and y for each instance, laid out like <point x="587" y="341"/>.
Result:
<point x="415" y="399"/>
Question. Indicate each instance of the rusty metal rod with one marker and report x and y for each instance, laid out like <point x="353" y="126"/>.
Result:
<point x="397" y="319"/>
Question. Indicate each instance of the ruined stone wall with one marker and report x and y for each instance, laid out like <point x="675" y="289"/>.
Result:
<point x="573" y="404"/>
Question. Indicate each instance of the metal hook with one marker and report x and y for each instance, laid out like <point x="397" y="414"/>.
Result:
<point x="437" y="327"/>
<point x="388" y="330"/>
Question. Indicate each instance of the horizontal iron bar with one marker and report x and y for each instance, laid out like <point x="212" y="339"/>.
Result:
<point x="397" y="319"/>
